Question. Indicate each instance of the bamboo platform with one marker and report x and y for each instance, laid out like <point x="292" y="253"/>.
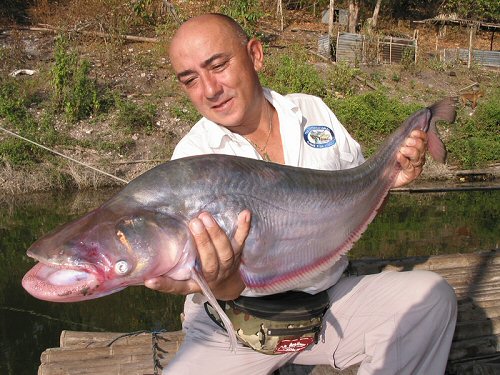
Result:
<point x="475" y="349"/>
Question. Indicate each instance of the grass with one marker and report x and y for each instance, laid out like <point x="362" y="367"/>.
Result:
<point x="371" y="117"/>
<point x="292" y="72"/>
<point x="133" y="117"/>
<point x="475" y="140"/>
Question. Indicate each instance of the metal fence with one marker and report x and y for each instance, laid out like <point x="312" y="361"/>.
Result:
<point x="394" y="50"/>
<point x="357" y="48"/>
<point x="481" y="57"/>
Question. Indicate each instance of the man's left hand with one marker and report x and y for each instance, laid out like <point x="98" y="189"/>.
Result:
<point x="411" y="157"/>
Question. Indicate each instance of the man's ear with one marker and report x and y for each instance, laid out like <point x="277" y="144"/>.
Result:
<point x="256" y="53"/>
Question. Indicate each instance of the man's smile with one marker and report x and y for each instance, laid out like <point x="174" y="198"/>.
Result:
<point x="223" y="105"/>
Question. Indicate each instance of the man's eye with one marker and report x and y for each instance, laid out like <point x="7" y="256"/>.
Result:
<point x="188" y="82"/>
<point x="219" y="67"/>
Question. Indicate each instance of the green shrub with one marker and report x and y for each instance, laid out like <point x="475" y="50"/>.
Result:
<point x="475" y="140"/>
<point x="245" y="12"/>
<point x="14" y="107"/>
<point x="133" y="117"/>
<point x="370" y="117"/>
<point x="18" y="152"/>
<point x="341" y="75"/>
<point x="74" y="93"/>
<point x="292" y="72"/>
<point x="434" y="63"/>
<point x="408" y="59"/>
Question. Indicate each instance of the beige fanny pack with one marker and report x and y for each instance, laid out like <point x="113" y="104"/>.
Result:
<point x="276" y="324"/>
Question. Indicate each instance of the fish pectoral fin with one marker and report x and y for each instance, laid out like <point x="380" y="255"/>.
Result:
<point x="200" y="280"/>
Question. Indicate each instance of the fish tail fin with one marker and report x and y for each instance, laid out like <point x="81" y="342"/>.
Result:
<point x="200" y="280"/>
<point x="443" y="110"/>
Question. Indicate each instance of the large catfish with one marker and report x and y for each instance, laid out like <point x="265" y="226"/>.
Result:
<point x="303" y="220"/>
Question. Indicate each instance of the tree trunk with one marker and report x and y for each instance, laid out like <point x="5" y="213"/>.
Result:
<point x="353" y="15"/>
<point x="279" y="13"/>
<point x="375" y="14"/>
<point x="331" y="10"/>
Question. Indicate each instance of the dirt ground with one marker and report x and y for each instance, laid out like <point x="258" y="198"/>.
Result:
<point x="141" y="73"/>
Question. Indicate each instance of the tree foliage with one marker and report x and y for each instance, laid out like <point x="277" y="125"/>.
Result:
<point x="484" y="10"/>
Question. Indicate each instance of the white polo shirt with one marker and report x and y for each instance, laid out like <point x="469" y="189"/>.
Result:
<point x="311" y="136"/>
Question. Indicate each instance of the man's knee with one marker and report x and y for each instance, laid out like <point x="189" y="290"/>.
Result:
<point x="435" y="292"/>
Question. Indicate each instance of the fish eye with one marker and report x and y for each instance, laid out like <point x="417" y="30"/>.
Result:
<point x="121" y="267"/>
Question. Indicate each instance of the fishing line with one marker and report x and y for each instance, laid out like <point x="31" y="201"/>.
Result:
<point x="155" y="336"/>
<point x="40" y="315"/>
<point x="64" y="156"/>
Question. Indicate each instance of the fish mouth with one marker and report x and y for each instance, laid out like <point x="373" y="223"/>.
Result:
<point x="58" y="283"/>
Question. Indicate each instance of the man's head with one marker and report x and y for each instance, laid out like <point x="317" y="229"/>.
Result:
<point x="217" y="67"/>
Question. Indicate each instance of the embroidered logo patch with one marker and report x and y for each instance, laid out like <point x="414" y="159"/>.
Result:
<point x="294" y="345"/>
<point x="319" y="136"/>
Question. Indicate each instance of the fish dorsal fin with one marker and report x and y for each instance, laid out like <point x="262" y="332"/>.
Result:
<point x="198" y="277"/>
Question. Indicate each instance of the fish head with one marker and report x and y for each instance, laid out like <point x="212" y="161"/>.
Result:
<point x="104" y="252"/>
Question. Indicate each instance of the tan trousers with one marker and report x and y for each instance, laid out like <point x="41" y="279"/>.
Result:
<point x="391" y="323"/>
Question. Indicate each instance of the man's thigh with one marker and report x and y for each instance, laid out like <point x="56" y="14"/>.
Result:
<point x="366" y="313"/>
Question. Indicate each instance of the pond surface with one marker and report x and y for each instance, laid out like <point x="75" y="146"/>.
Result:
<point x="409" y="225"/>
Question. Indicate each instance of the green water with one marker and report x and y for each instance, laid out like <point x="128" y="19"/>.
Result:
<point x="410" y="224"/>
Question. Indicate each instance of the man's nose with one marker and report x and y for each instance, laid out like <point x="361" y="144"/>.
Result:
<point x="211" y="86"/>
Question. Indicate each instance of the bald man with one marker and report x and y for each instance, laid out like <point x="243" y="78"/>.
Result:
<point x="391" y="323"/>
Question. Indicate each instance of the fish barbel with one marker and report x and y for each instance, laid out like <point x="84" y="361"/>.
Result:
<point x="303" y="220"/>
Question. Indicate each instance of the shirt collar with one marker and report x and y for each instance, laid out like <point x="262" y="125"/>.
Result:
<point x="217" y="133"/>
<point x="273" y="97"/>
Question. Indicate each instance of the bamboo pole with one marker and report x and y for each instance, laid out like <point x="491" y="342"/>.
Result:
<point x="472" y="312"/>
<point x="74" y="339"/>
<point x="474" y="329"/>
<point x="141" y="368"/>
<point x="474" y="347"/>
<point x="84" y="354"/>
<point x="485" y="365"/>
<point x="74" y="364"/>
<point x="487" y="305"/>
<point x="432" y="263"/>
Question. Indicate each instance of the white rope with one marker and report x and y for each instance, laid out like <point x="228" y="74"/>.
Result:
<point x="64" y="156"/>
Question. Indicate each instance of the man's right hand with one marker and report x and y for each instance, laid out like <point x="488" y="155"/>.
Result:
<point x="219" y="259"/>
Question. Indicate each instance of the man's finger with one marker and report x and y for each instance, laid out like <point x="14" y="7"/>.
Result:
<point x="219" y="240"/>
<point x="242" y="230"/>
<point x="207" y="253"/>
<point x="168" y="285"/>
